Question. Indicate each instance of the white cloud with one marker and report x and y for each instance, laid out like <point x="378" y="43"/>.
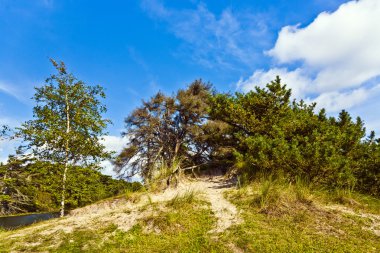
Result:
<point x="341" y="47"/>
<point x="112" y="143"/>
<point x="296" y="80"/>
<point x="223" y="40"/>
<point x="107" y="168"/>
<point x="336" y="101"/>
<point x="337" y="57"/>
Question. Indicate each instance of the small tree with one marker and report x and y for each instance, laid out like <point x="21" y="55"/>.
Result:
<point x="12" y="182"/>
<point x="67" y="123"/>
<point x="168" y="131"/>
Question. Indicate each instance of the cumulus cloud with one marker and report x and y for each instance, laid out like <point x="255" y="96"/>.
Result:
<point x="223" y="40"/>
<point x="341" y="47"/>
<point x="112" y="144"/>
<point x="336" y="54"/>
<point x="336" y="101"/>
<point x="296" y="80"/>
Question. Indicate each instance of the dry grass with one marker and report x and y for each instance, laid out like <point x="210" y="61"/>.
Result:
<point x="170" y="213"/>
<point x="268" y="215"/>
<point x="292" y="217"/>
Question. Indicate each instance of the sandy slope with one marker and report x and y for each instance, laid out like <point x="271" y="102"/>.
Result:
<point x="126" y="213"/>
<point x="211" y="189"/>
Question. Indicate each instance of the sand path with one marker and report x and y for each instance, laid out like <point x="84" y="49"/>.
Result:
<point x="125" y="213"/>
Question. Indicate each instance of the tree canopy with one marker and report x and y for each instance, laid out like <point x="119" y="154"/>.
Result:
<point x="243" y="134"/>
<point x="67" y="123"/>
<point x="30" y="185"/>
<point x="261" y="131"/>
<point x="167" y="130"/>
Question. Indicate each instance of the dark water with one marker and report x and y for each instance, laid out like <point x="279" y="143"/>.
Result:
<point x="12" y="222"/>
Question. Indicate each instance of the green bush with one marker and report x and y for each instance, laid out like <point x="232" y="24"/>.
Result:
<point x="271" y="133"/>
<point x="40" y="183"/>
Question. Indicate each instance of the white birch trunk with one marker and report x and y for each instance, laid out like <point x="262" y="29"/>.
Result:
<point x="66" y="156"/>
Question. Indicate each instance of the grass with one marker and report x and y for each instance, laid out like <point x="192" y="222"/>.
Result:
<point x="283" y="217"/>
<point x="356" y="201"/>
<point x="188" y="198"/>
<point x="164" y="175"/>
<point x="178" y="225"/>
<point x="278" y="216"/>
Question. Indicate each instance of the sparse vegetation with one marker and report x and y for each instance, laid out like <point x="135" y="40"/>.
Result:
<point x="284" y="217"/>
<point x="306" y="182"/>
<point x="180" y="224"/>
<point x="186" y="199"/>
<point x="277" y="216"/>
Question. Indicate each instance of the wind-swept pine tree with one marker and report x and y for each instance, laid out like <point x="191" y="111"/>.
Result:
<point x="170" y="131"/>
<point x="272" y="134"/>
<point x="67" y="123"/>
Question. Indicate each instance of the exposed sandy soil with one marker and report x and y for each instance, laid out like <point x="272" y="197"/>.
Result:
<point x="125" y="213"/>
<point x="211" y="189"/>
<point x="374" y="219"/>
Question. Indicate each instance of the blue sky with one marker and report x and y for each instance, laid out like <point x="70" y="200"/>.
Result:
<point x="324" y="49"/>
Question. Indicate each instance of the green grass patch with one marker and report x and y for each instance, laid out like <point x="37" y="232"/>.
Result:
<point x="181" y="200"/>
<point x="284" y="217"/>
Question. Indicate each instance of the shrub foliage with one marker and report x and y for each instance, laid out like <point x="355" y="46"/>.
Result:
<point x="262" y="131"/>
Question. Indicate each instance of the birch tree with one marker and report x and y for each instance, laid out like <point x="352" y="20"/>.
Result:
<point x="67" y="124"/>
